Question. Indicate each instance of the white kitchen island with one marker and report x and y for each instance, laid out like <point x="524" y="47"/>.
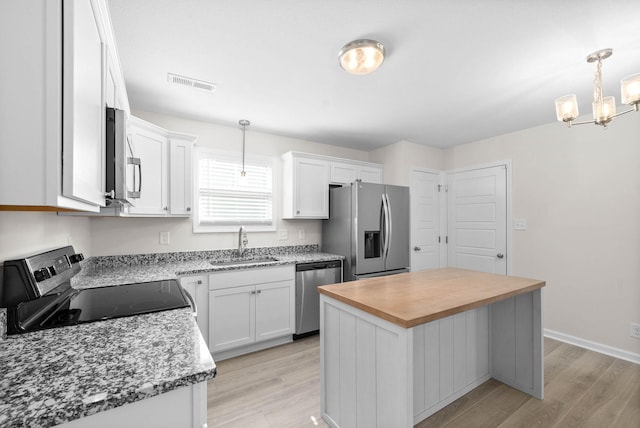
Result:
<point x="397" y="349"/>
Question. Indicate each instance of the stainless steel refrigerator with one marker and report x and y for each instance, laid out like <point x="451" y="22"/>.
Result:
<point x="369" y="225"/>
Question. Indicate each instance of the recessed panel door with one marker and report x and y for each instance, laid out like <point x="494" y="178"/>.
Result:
<point x="425" y="220"/>
<point x="477" y="226"/>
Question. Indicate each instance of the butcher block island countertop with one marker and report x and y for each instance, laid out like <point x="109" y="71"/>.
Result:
<point x="415" y="298"/>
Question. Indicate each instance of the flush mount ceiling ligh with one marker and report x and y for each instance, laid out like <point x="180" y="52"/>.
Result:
<point x="604" y="108"/>
<point x="361" y="56"/>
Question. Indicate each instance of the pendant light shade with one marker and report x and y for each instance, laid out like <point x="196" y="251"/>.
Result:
<point x="361" y="56"/>
<point x="630" y="88"/>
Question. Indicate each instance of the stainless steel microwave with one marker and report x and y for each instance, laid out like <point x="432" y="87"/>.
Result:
<point x="123" y="168"/>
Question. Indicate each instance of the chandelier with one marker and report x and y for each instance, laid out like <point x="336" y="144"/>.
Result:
<point x="604" y="108"/>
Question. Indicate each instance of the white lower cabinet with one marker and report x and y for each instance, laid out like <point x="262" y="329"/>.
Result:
<point x="250" y="309"/>
<point x="185" y="407"/>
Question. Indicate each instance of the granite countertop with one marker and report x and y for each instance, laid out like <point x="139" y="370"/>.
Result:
<point x="53" y="376"/>
<point x="127" y="269"/>
<point x="57" y="375"/>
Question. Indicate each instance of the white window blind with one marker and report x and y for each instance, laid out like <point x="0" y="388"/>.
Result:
<point x="226" y="199"/>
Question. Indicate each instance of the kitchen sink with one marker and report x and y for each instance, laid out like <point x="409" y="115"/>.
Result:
<point x="242" y="261"/>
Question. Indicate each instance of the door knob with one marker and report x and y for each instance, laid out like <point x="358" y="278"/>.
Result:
<point x="416" y="248"/>
<point x="500" y="255"/>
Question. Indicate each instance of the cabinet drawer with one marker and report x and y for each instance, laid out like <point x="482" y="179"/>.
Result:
<point x="251" y="276"/>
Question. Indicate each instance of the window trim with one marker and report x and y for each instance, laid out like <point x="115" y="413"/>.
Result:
<point x="201" y="152"/>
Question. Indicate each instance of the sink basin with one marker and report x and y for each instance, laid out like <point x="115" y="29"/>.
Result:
<point x="243" y="261"/>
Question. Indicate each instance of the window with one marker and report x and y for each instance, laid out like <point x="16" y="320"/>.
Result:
<point x="225" y="200"/>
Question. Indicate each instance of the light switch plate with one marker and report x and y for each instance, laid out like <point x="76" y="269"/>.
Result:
<point x="164" y="238"/>
<point x="520" y="224"/>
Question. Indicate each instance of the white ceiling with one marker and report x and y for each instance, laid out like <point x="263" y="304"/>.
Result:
<point x="456" y="70"/>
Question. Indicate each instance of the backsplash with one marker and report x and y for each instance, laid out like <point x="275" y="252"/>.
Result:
<point x="155" y="258"/>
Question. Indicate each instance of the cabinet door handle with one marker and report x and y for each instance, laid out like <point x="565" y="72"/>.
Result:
<point x="259" y="291"/>
<point x="416" y="248"/>
<point x="253" y="292"/>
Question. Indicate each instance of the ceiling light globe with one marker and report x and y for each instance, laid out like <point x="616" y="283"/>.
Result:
<point x="567" y="108"/>
<point x="604" y="112"/>
<point x="362" y="56"/>
<point x="630" y="89"/>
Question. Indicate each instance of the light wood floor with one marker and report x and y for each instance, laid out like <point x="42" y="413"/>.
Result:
<point x="280" y="388"/>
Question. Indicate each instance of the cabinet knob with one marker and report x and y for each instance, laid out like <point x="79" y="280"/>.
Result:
<point x="199" y="281"/>
<point x="188" y="208"/>
<point x="298" y="212"/>
<point x="416" y="248"/>
<point x="500" y="255"/>
<point x="259" y="291"/>
<point x="166" y="208"/>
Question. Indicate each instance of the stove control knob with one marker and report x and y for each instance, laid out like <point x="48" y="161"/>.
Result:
<point x="42" y="274"/>
<point x="76" y="258"/>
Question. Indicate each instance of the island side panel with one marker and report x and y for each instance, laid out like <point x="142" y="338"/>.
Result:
<point x="450" y="357"/>
<point x="366" y="368"/>
<point x="517" y="342"/>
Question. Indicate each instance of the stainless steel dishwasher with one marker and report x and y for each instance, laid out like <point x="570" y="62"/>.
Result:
<point x="308" y="277"/>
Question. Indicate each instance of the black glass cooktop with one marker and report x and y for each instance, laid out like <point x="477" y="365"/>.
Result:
<point x="96" y="304"/>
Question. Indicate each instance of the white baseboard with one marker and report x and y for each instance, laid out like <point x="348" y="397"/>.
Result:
<point x="593" y="346"/>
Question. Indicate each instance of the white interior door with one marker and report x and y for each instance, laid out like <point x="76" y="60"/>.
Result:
<point x="425" y="220"/>
<point x="477" y="219"/>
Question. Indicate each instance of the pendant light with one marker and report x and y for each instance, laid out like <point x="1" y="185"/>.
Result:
<point x="244" y="123"/>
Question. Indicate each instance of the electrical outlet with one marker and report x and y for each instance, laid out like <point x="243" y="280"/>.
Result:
<point x="302" y="235"/>
<point x="164" y="238"/>
<point x="635" y="330"/>
<point x="520" y="224"/>
<point x="283" y="234"/>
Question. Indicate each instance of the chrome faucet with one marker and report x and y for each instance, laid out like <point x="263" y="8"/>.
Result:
<point x="242" y="241"/>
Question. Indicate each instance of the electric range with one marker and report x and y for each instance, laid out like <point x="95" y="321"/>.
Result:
<point x="38" y="295"/>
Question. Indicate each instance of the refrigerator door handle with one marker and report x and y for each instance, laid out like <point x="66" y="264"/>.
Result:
<point x="386" y="227"/>
<point x="383" y="214"/>
<point x="389" y="225"/>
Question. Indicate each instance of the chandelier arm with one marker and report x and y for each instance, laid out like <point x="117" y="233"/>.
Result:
<point x="570" y="123"/>
<point x="635" y="108"/>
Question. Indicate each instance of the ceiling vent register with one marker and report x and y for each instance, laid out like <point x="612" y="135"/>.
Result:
<point x="193" y="83"/>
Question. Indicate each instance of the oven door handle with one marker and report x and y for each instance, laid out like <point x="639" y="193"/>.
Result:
<point x="192" y="301"/>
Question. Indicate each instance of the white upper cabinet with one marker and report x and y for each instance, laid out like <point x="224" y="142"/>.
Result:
<point x="306" y="179"/>
<point x="180" y="178"/>
<point x="348" y="172"/>
<point x="305" y="186"/>
<point x="83" y="116"/>
<point x="149" y="143"/>
<point x="52" y="105"/>
<point x="165" y="182"/>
